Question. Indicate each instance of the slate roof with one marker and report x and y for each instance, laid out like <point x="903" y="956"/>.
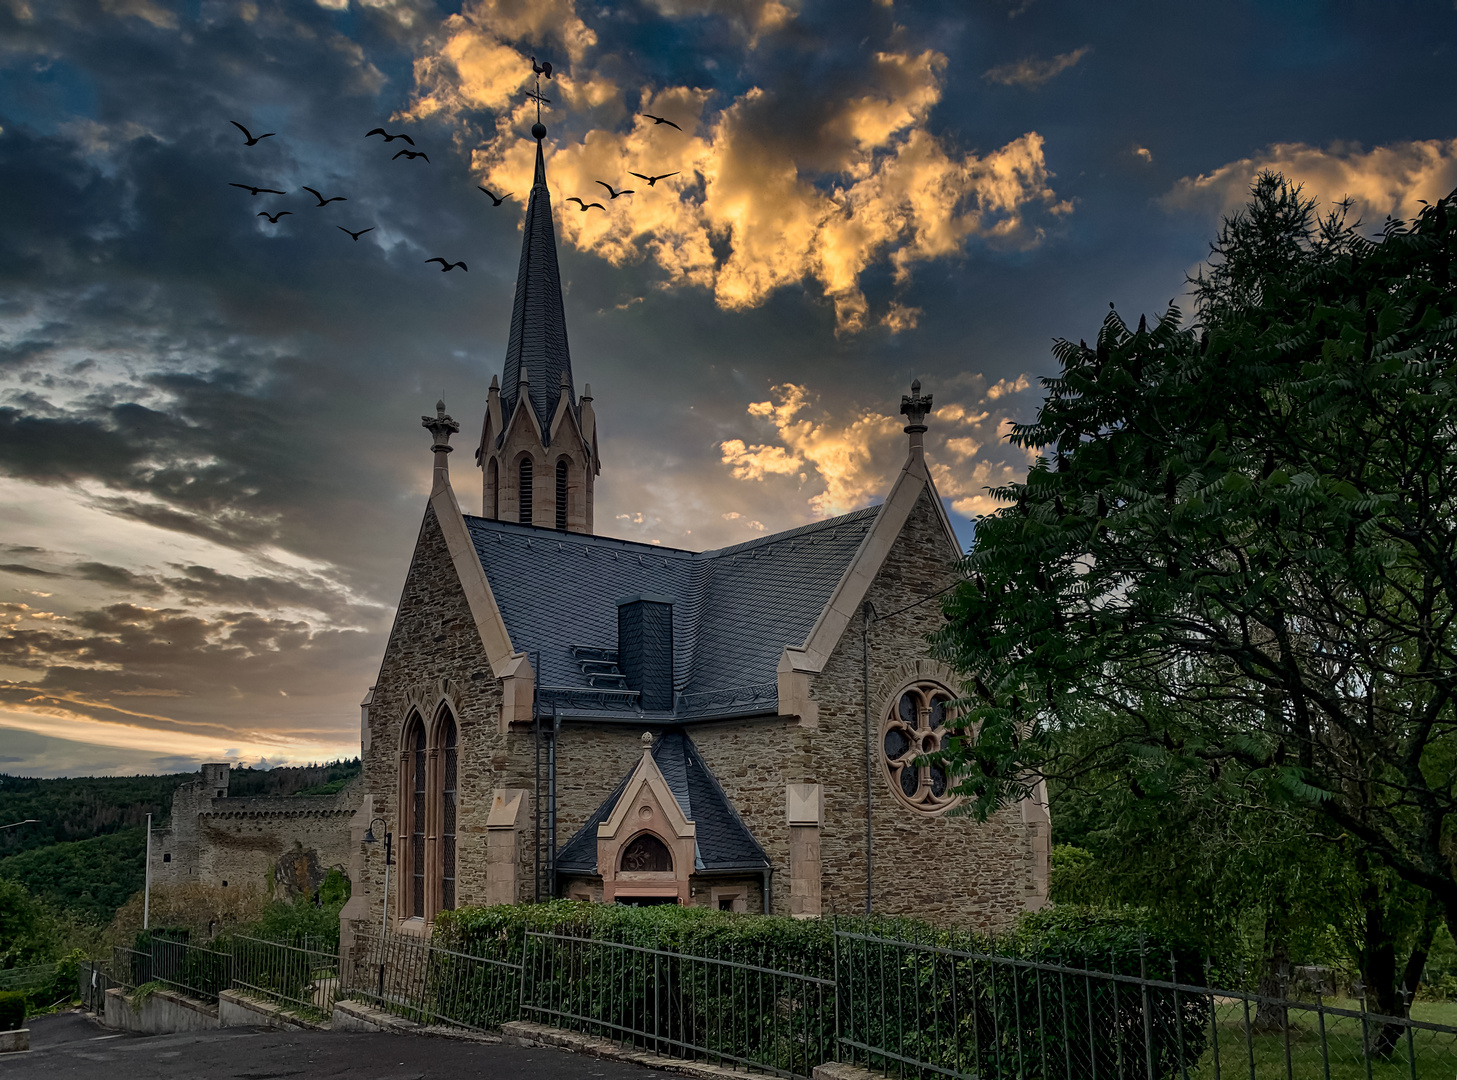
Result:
<point x="538" y="342"/>
<point x="734" y="609"/>
<point x="723" y="840"/>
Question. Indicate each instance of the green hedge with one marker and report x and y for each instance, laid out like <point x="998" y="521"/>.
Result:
<point x="12" y="1010"/>
<point x="910" y="989"/>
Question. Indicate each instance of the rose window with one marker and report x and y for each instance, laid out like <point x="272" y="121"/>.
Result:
<point x="915" y="727"/>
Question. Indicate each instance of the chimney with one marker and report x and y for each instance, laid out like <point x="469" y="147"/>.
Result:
<point x="645" y="648"/>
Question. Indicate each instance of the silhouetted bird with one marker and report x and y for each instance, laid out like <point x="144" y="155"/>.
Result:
<point x="354" y="234"/>
<point x="445" y="267"/>
<point x="497" y="200"/>
<point x="258" y="190"/>
<point x="388" y="137"/>
<point x="586" y="206"/>
<point x="273" y="218"/>
<point x="541" y="69"/>
<point x="660" y="120"/>
<point x="412" y="155"/>
<point x="323" y="201"/>
<point x="652" y="179"/>
<point x="248" y="135"/>
<point x="614" y="194"/>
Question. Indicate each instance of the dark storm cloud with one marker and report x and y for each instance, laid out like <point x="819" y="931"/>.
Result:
<point x="118" y="577"/>
<point x="21" y="568"/>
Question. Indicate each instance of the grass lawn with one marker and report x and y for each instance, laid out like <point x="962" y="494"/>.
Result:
<point x="1263" y="1056"/>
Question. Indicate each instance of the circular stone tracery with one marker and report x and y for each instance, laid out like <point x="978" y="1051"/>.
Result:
<point x="913" y="727"/>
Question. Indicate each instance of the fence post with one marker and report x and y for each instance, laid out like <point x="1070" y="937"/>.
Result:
<point x="1147" y="1018"/>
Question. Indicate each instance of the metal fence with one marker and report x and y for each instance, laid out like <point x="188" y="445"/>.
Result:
<point x="27" y="978"/>
<point x="303" y="976"/>
<point x="727" y="1010"/>
<point x="923" y="1011"/>
<point x="411" y="978"/>
<point x="194" y="970"/>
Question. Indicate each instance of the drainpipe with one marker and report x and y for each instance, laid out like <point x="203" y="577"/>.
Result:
<point x="768" y="886"/>
<point x="867" y="615"/>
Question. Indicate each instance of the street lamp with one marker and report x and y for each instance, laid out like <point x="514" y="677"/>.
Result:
<point x="370" y="838"/>
<point x="16" y="824"/>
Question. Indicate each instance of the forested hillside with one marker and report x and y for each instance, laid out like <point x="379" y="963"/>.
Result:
<point x="89" y="879"/>
<point x="78" y="808"/>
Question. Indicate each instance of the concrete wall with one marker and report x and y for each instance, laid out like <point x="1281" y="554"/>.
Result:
<point x="160" y="1013"/>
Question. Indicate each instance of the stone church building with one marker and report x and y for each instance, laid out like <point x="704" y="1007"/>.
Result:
<point x="560" y="713"/>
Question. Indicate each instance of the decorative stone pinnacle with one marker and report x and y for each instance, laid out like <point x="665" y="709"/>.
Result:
<point x="914" y="408"/>
<point x="442" y="427"/>
<point x="647" y="740"/>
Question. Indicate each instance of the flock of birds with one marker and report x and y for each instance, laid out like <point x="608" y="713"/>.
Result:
<point x="411" y="154"/>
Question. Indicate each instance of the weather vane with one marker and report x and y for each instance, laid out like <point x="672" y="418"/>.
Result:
<point x="535" y="95"/>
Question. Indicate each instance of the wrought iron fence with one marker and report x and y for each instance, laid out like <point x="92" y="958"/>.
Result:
<point x="411" y="978"/>
<point x="301" y="976"/>
<point x="195" y="970"/>
<point x="924" y="1011"/>
<point x="728" y="1010"/>
<point x="130" y="968"/>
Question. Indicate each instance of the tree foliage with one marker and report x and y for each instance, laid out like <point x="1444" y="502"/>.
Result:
<point x="1238" y="550"/>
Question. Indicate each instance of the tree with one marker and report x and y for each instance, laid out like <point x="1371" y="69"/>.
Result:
<point x="27" y="933"/>
<point x="1239" y="546"/>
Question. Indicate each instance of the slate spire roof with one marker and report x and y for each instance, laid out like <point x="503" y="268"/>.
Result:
<point x="723" y="840"/>
<point x="538" y="343"/>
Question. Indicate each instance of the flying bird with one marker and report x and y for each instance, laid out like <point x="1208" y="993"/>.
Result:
<point x="412" y="155"/>
<point x="258" y="190"/>
<point x="586" y="206"/>
<point x="446" y="267"/>
<point x="497" y="200"/>
<point x="652" y="179"/>
<point x="614" y="194"/>
<point x="354" y="234"/>
<point x="660" y="120"/>
<point x="273" y="218"/>
<point x="323" y="201"/>
<point x="249" y="135"/>
<point x="541" y="69"/>
<point x="388" y="137"/>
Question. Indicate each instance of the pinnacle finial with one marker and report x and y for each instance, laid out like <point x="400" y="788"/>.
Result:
<point x="441" y="427"/>
<point x="647" y="740"/>
<point x="914" y="408"/>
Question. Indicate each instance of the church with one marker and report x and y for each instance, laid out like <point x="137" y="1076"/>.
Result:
<point x="563" y="714"/>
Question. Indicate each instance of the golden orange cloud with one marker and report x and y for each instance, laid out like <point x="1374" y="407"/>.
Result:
<point x="1390" y="179"/>
<point x="755" y="203"/>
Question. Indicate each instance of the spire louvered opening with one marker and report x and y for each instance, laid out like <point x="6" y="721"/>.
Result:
<point x="561" y="494"/>
<point x="524" y="513"/>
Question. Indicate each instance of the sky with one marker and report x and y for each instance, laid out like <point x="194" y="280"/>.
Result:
<point x="212" y="470"/>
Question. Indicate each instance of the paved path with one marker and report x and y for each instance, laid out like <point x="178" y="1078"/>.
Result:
<point x="71" y="1045"/>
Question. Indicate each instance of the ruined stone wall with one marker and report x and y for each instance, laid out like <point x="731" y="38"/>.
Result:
<point x="283" y="845"/>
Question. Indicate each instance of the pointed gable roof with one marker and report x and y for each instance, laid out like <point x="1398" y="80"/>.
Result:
<point x="723" y="840"/>
<point x="538" y="343"/>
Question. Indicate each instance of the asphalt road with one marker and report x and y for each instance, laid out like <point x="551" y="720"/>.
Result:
<point x="73" y="1045"/>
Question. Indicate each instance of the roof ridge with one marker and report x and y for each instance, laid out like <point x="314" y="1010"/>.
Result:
<point x="799" y="530"/>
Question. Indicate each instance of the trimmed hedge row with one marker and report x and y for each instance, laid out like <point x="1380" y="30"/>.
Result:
<point x="899" y="987"/>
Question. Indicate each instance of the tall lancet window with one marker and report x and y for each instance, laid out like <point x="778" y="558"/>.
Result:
<point x="417" y="827"/>
<point x="493" y="481"/>
<point x="447" y="815"/>
<point x="524" y="514"/>
<point x="561" y="494"/>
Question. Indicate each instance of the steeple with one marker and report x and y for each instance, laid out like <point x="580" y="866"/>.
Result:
<point x="538" y="448"/>
<point x="538" y="346"/>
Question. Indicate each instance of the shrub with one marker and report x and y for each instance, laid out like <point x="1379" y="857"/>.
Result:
<point x="12" y="1010"/>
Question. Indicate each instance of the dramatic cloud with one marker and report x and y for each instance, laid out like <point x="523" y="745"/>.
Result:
<point x="1032" y="72"/>
<point x="775" y="189"/>
<point x="1387" y="180"/>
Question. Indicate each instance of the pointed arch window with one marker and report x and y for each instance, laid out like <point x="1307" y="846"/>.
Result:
<point x="524" y="487"/>
<point x="493" y="485"/>
<point x="417" y="825"/>
<point x="561" y="493"/>
<point x="451" y="771"/>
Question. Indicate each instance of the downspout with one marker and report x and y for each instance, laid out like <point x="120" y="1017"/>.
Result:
<point x="768" y="886"/>
<point x="556" y="726"/>
<point x="867" y="614"/>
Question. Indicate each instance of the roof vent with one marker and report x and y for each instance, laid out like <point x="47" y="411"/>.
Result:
<point x="645" y="647"/>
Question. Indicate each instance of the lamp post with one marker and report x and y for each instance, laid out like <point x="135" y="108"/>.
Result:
<point x="370" y="838"/>
<point x="147" y="880"/>
<point x="17" y="824"/>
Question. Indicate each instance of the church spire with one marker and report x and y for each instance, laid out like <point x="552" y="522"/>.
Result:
<point x="538" y="449"/>
<point x="537" y="349"/>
